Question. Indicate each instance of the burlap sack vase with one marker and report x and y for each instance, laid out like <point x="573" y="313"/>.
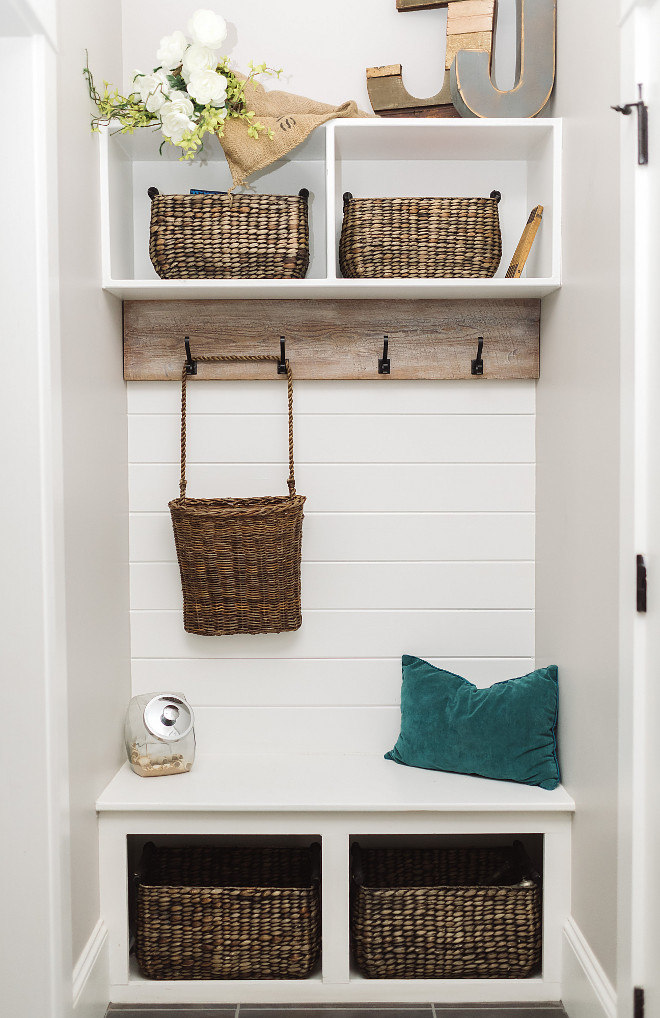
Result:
<point x="290" y="117"/>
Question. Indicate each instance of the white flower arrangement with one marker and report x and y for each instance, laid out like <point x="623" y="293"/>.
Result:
<point x="189" y="94"/>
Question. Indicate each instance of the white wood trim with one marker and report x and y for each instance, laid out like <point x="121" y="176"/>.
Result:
<point x="348" y="487"/>
<point x="359" y="586"/>
<point x="331" y="438"/>
<point x="336" y="983"/>
<point x="586" y="990"/>
<point x="35" y="806"/>
<point x="272" y="760"/>
<point x="315" y="396"/>
<point x="30" y="18"/>
<point x="90" y="976"/>
<point x="330" y="229"/>
<point x="304" y="682"/>
<point x="315" y="991"/>
<point x="530" y="148"/>
<point x="328" y="289"/>
<point x="355" y="634"/>
<point x="376" y="537"/>
<point x="629" y="7"/>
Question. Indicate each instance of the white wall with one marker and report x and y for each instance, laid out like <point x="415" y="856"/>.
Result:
<point x="418" y="534"/>
<point x="95" y="482"/>
<point x="322" y="48"/>
<point x="577" y="472"/>
<point x="394" y="475"/>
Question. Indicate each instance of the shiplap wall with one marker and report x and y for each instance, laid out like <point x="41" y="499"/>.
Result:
<point x="418" y="534"/>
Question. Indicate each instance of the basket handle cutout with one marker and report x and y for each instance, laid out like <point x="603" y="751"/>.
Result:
<point x="232" y="358"/>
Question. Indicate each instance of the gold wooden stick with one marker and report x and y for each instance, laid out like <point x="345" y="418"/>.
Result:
<point x="521" y="253"/>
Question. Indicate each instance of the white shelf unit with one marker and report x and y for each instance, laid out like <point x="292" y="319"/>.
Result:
<point x="335" y="798"/>
<point x="369" y="157"/>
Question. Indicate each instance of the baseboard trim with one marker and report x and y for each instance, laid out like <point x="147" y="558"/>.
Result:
<point x="90" y="976"/>
<point x="587" y="992"/>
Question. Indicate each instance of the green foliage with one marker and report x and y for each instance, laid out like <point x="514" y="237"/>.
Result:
<point x="130" y="112"/>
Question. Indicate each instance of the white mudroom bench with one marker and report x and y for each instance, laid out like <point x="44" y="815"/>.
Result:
<point x="318" y="774"/>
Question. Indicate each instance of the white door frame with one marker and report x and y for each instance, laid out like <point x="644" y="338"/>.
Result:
<point x="638" y="886"/>
<point x="35" y="933"/>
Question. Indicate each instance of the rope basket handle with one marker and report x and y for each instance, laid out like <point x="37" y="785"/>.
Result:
<point x="234" y="358"/>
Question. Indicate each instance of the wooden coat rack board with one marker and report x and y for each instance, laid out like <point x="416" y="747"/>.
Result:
<point x="336" y="339"/>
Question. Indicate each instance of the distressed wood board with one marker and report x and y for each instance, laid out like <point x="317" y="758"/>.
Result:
<point x="334" y="339"/>
<point x="481" y="41"/>
<point x="388" y="93"/>
<point x="426" y="5"/>
<point x="420" y="112"/>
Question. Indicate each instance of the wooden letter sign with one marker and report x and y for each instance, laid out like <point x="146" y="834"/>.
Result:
<point x="469" y="25"/>
<point x="472" y="91"/>
<point x="467" y="83"/>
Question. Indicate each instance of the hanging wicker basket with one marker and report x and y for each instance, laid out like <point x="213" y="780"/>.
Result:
<point x="413" y="238"/>
<point x="222" y="236"/>
<point x="239" y="558"/>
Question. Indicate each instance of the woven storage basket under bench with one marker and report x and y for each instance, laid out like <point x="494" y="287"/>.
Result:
<point x="427" y="913"/>
<point x="228" y="913"/>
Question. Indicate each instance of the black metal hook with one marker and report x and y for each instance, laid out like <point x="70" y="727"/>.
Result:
<point x="191" y="365"/>
<point x="477" y="363"/>
<point x="642" y="125"/>
<point x="281" y="364"/>
<point x="384" y="361"/>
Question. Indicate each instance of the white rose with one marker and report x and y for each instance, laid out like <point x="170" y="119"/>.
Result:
<point x="208" y="87"/>
<point x="172" y="48"/>
<point x="208" y="29"/>
<point x="175" y="124"/>
<point x="198" y="58"/>
<point x="179" y="102"/>
<point x="153" y="88"/>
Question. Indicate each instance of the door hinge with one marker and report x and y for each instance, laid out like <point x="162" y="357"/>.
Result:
<point x="638" y="1002"/>
<point x="641" y="584"/>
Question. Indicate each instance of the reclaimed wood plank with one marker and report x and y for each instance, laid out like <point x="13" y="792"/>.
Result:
<point x="481" y="41"/>
<point x="467" y="26"/>
<point x="425" y="5"/>
<point x="469" y="8"/>
<point x="422" y="112"/>
<point x="419" y="5"/>
<point x="386" y="71"/>
<point x="334" y="339"/>
<point x="388" y="95"/>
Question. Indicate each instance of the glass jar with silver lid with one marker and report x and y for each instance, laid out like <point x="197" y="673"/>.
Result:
<point x="160" y="735"/>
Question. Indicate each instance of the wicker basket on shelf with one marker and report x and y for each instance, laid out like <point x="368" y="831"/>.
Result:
<point x="222" y="236"/>
<point x="413" y="238"/>
<point x="228" y="913"/>
<point x="466" y="913"/>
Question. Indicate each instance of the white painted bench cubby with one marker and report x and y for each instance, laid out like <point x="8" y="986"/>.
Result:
<point x="320" y="774"/>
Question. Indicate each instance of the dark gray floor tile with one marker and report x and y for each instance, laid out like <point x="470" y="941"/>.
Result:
<point x="336" y="1011"/>
<point x="524" y="1010"/>
<point x="342" y="1009"/>
<point x="543" y="1005"/>
<point x="170" y="1011"/>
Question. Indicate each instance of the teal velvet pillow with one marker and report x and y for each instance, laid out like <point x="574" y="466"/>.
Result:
<point x="507" y="731"/>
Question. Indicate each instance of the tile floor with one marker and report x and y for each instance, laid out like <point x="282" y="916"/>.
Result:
<point x="540" y="1010"/>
